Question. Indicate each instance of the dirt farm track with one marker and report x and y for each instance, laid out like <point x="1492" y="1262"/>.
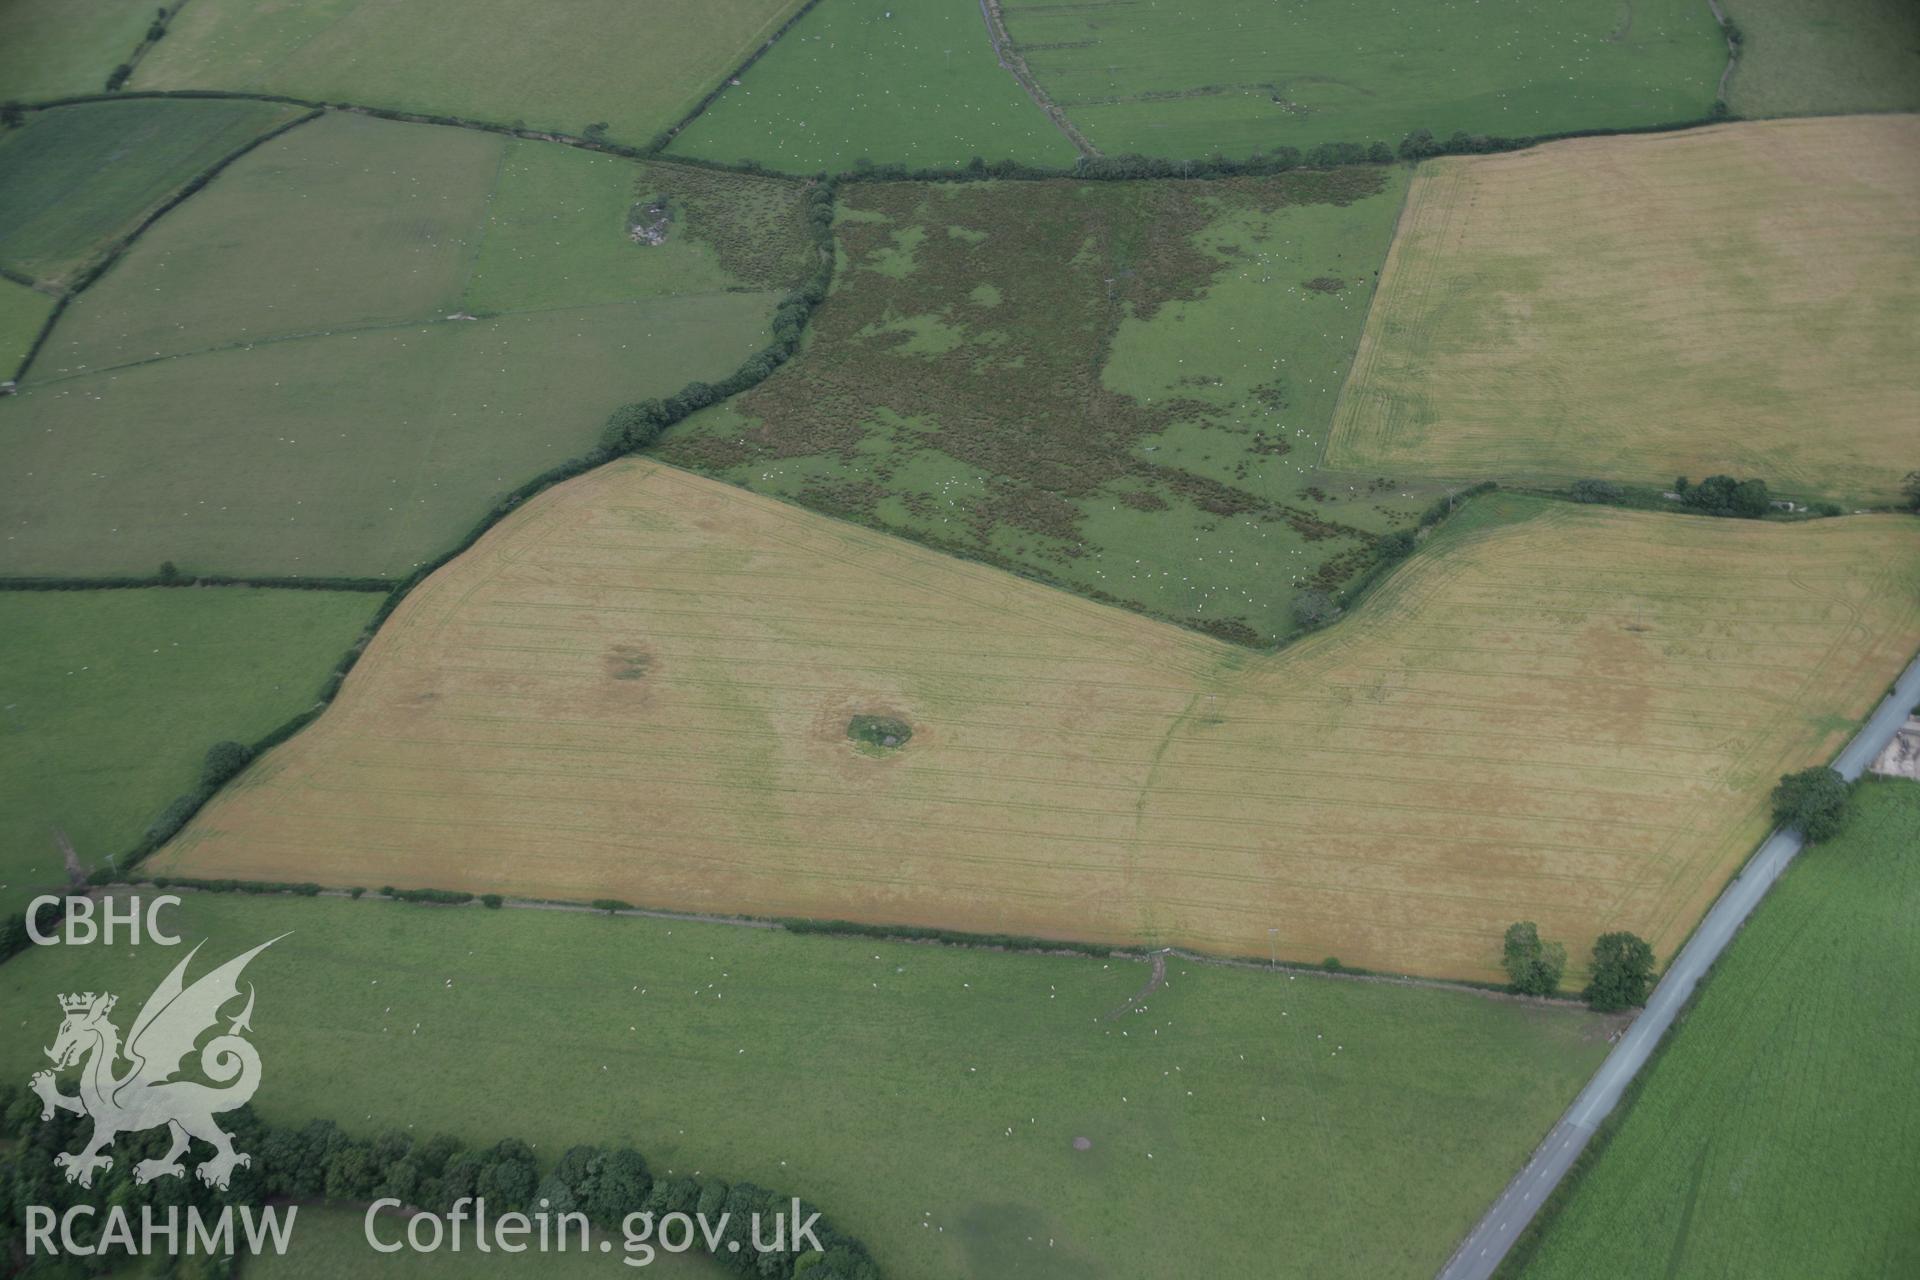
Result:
<point x="638" y="687"/>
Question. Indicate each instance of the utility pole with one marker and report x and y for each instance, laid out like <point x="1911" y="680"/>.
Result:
<point x="1273" y="950"/>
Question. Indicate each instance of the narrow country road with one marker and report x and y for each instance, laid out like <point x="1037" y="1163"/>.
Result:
<point x="1495" y="1233"/>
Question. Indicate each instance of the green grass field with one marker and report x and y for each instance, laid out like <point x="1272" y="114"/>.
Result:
<point x="110" y="699"/>
<point x="352" y="222"/>
<point x="1118" y="387"/>
<point x="329" y="1241"/>
<point x="1815" y="57"/>
<point x="1774" y="1135"/>
<point x="426" y="317"/>
<point x="81" y="177"/>
<point x="49" y="48"/>
<point x="1238" y="76"/>
<point x="345" y="222"/>
<point x="22" y="313"/>
<point x="914" y="82"/>
<point x="556" y="233"/>
<point x="927" y="1098"/>
<point x="635" y="68"/>
<point x="356" y="454"/>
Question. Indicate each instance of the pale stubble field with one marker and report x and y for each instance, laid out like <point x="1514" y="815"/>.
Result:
<point x="638" y="687"/>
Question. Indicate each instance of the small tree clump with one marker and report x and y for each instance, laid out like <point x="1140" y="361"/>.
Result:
<point x="1534" y="967"/>
<point x="172" y="818"/>
<point x="1622" y="972"/>
<point x="1726" y="496"/>
<point x="888" y="732"/>
<point x="223" y="760"/>
<point x="1418" y="145"/>
<point x="1813" y="802"/>
<point x="1397" y="545"/>
<point x="635" y="426"/>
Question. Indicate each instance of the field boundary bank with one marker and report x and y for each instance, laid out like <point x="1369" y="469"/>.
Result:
<point x="1537" y="1184"/>
<point x="1010" y="944"/>
<point x="182" y="581"/>
<point x="1733" y="38"/>
<point x="105" y="259"/>
<point x="1008" y="55"/>
<point x="1635" y="496"/>
<point x="664" y="139"/>
<point x="156" y="32"/>
<point x="435" y="317"/>
<point x="1155" y="979"/>
<point x="1094" y="168"/>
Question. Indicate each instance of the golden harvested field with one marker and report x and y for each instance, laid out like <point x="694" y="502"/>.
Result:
<point x="1743" y="299"/>
<point x="639" y="687"/>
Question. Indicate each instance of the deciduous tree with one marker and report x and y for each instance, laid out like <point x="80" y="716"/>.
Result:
<point x="1622" y="972"/>
<point x="1533" y="967"/>
<point x="1813" y="801"/>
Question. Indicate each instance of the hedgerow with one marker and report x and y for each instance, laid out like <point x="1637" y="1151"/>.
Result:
<point x="319" y="1160"/>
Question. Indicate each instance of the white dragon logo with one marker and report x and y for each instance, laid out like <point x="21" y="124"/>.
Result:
<point x="146" y="1096"/>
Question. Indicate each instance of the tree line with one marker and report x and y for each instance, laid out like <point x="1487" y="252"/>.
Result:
<point x="320" y="1161"/>
<point x="1717" y="495"/>
<point x="1416" y="145"/>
